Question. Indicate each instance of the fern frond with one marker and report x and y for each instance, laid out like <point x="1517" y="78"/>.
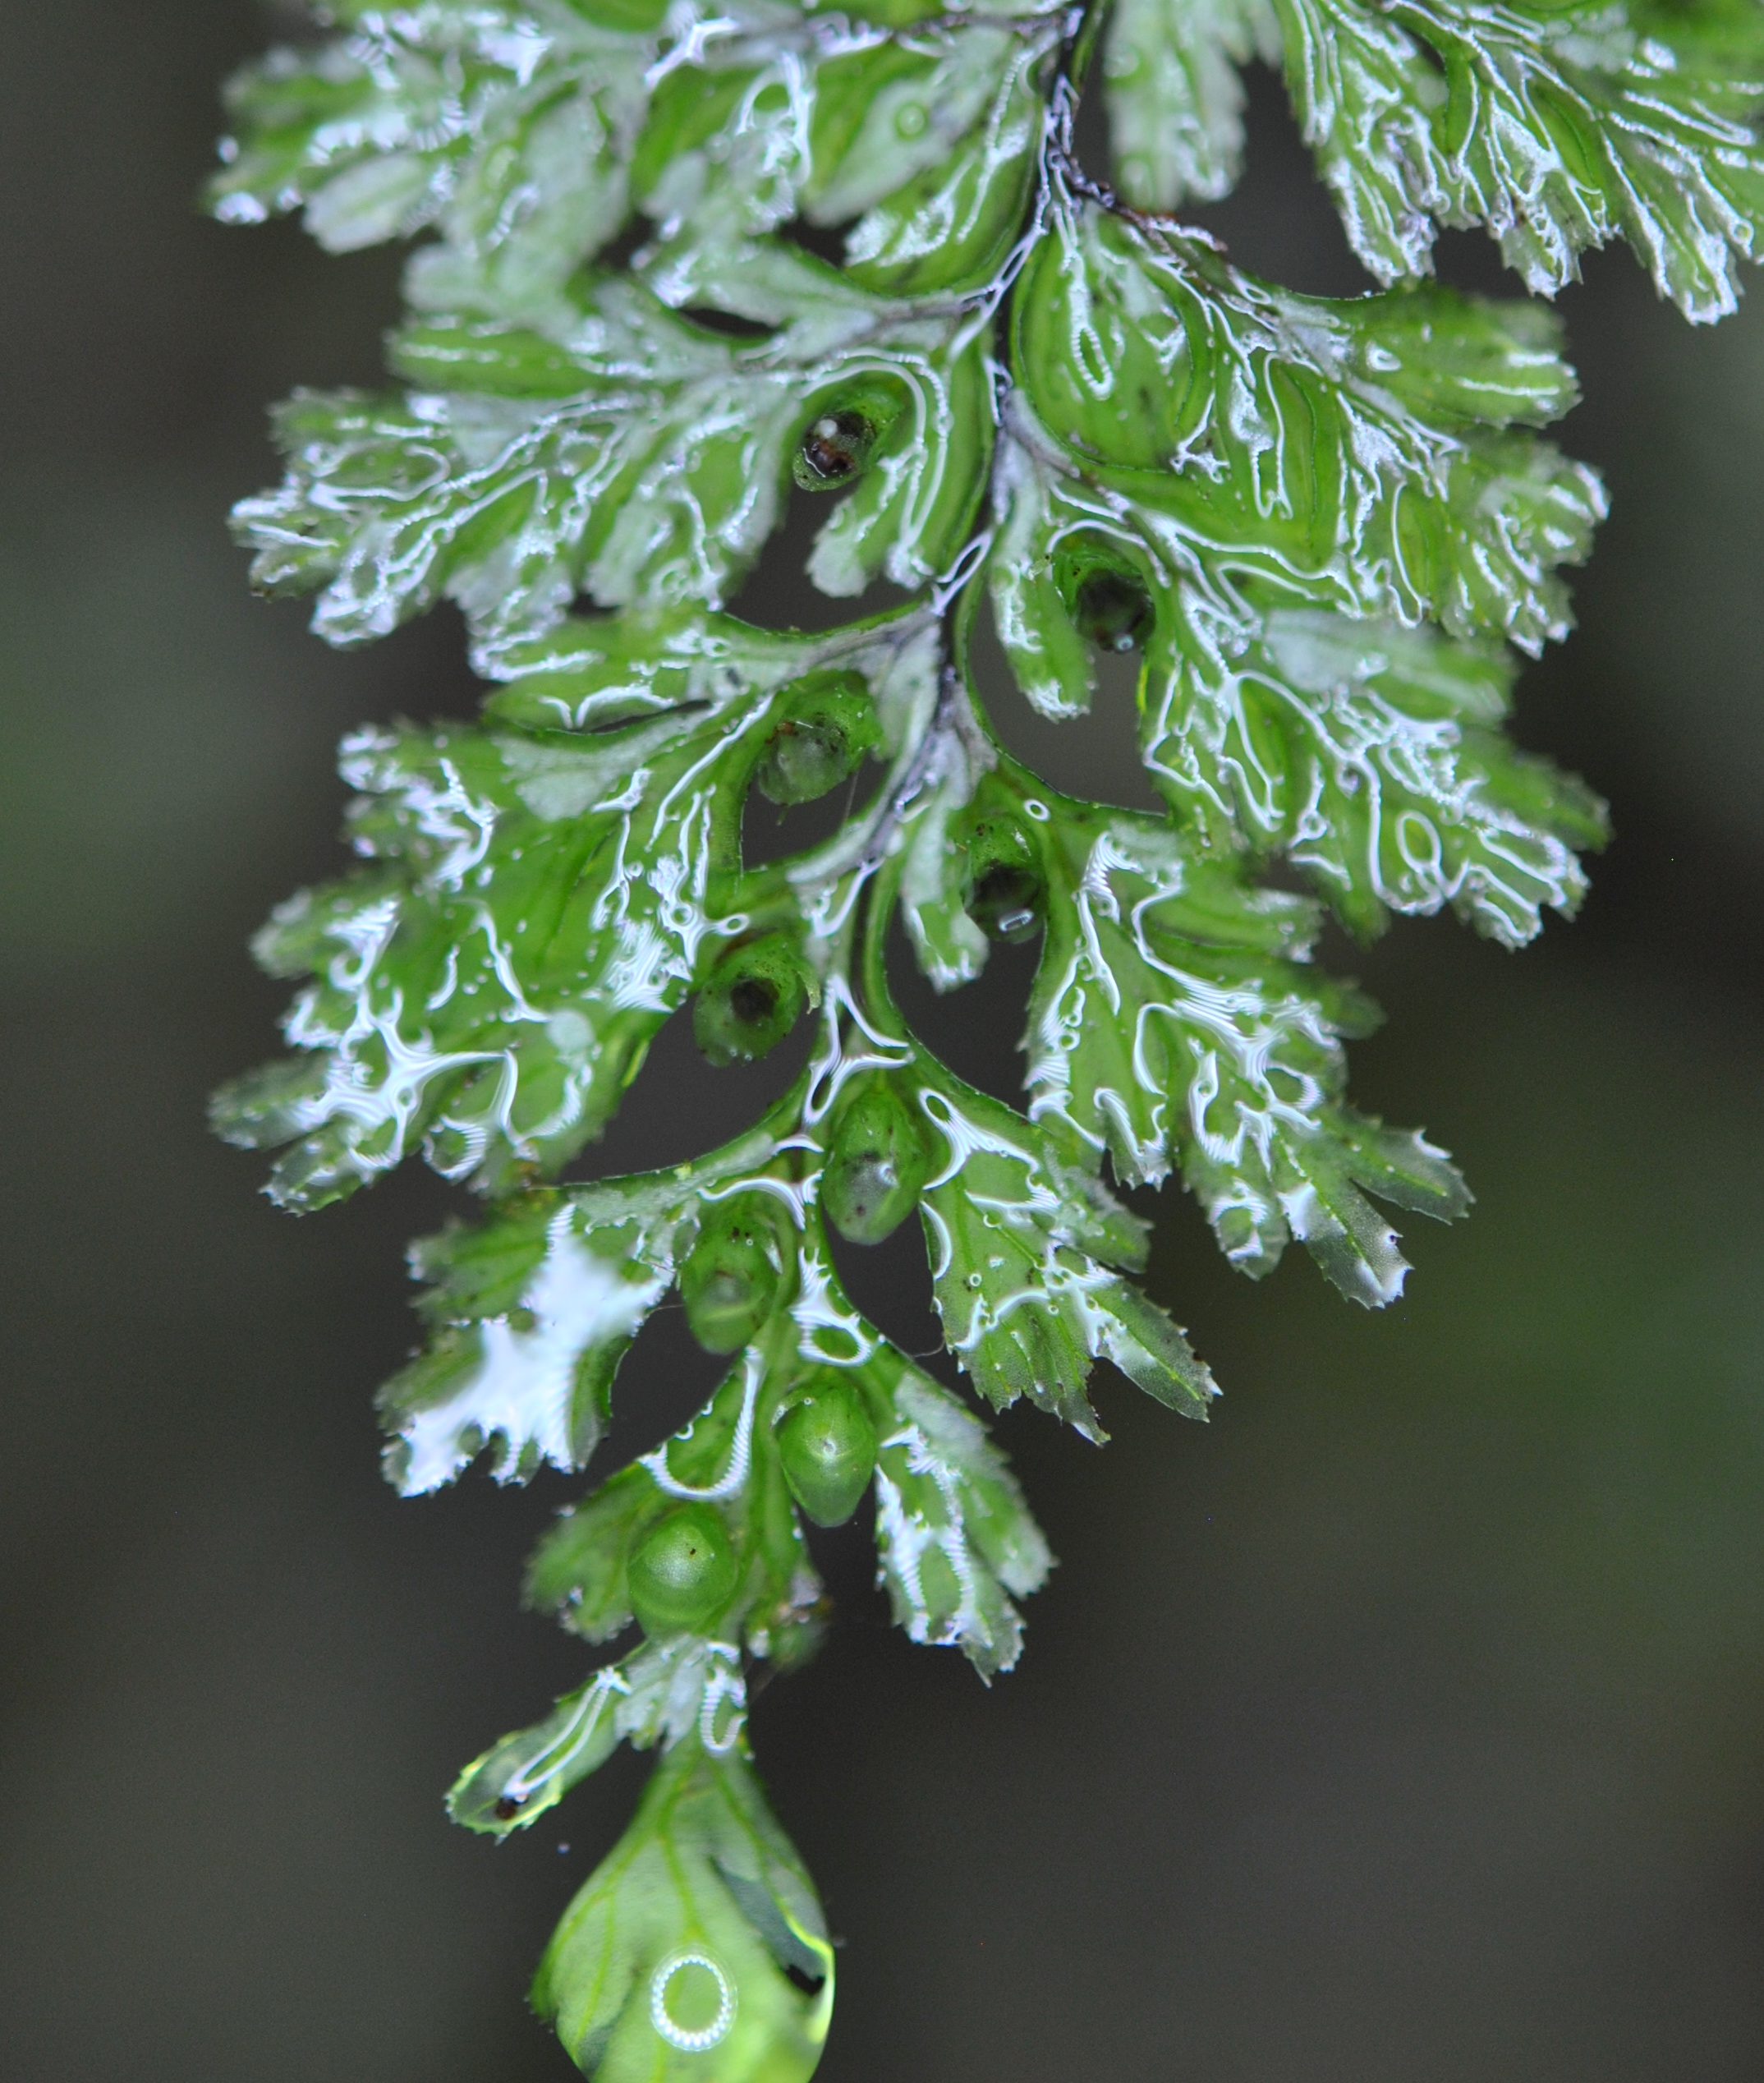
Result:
<point x="1321" y="523"/>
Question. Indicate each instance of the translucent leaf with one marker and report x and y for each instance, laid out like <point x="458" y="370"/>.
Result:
<point x="1144" y="939"/>
<point x="508" y="130"/>
<point x="1175" y="102"/>
<point x="700" y="1932"/>
<point x="1372" y="755"/>
<point x="577" y="1571"/>
<point x="591" y="672"/>
<point x="556" y="901"/>
<point x="640" y="459"/>
<point x="537" y="1310"/>
<point x="712" y="1456"/>
<point x="1173" y="1021"/>
<point x="1559" y="127"/>
<point x="1021" y="1245"/>
<point x="680" y="1689"/>
<point x="531" y="1314"/>
<point x="924" y="132"/>
<point x="954" y="1537"/>
<point x="519" y="1777"/>
<point x="524" y="137"/>
<point x="727" y="1457"/>
<point x="951" y="948"/>
<point x="949" y="225"/>
<point x="1196" y="435"/>
<point x="740" y="141"/>
<point x="669" y="1691"/>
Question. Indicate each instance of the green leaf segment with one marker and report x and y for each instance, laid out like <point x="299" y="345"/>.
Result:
<point x="1322" y="524"/>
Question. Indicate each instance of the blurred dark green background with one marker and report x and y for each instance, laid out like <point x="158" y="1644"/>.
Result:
<point x="1405" y="1723"/>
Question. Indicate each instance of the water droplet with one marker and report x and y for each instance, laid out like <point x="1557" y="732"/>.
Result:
<point x="1006" y="902"/>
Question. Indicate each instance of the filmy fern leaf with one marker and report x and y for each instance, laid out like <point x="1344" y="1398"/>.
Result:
<point x="1321" y="523"/>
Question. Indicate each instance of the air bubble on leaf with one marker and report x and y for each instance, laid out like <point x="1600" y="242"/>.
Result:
<point x="683" y="1943"/>
<point x="667" y="2000"/>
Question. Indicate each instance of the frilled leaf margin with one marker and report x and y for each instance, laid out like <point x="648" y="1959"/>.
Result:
<point x="1322" y="524"/>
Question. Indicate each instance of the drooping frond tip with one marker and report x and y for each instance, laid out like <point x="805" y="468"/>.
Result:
<point x="1031" y="394"/>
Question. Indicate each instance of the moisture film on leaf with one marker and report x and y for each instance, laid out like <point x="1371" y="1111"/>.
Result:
<point x="675" y="278"/>
<point x="1175" y="101"/>
<point x="1557" y="127"/>
<point x="955" y="1539"/>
